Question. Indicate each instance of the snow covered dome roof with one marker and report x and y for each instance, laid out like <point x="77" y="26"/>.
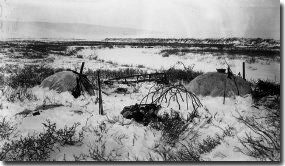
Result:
<point x="68" y="81"/>
<point x="216" y="84"/>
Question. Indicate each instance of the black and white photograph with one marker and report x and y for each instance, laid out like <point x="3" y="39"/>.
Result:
<point x="140" y="80"/>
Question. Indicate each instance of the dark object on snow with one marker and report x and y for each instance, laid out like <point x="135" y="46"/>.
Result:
<point x="230" y="73"/>
<point x="144" y="113"/>
<point x="221" y="70"/>
<point x="265" y="88"/>
<point x="37" y="110"/>
<point x="70" y="81"/>
<point x="121" y="90"/>
<point x="36" y="113"/>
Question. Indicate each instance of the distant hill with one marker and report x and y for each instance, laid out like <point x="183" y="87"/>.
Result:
<point x="237" y="42"/>
<point x="65" y="31"/>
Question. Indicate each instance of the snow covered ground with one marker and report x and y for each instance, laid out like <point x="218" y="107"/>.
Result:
<point x="150" y="59"/>
<point x="138" y="140"/>
<point x="132" y="140"/>
<point x="207" y="62"/>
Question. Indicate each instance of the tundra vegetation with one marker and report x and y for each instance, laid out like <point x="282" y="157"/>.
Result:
<point x="210" y="130"/>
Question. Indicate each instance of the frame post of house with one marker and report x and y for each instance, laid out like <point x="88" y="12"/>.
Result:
<point x="225" y="92"/>
<point x="100" y="93"/>
<point x="82" y="66"/>
<point x="243" y="70"/>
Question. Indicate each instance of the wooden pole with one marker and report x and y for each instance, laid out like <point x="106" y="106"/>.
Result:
<point x="225" y="92"/>
<point x="100" y="94"/>
<point x="78" y="91"/>
<point x="243" y="70"/>
<point x="82" y="66"/>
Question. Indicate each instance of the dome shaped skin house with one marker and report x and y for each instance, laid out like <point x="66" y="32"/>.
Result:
<point x="216" y="84"/>
<point x="67" y="81"/>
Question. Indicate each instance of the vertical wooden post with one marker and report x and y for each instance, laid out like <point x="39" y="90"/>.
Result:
<point x="100" y="94"/>
<point x="82" y="66"/>
<point x="225" y="92"/>
<point x="243" y="70"/>
<point x="78" y="91"/>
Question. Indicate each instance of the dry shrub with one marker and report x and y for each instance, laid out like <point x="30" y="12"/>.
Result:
<point x="98" y="150"/>
<point x="265" y="88"/>
<point x="19" y="94"/>
<point x="174" y="51"/>
<point x="264" y="140"/>
<point x="6" y="128"/>
<point x="172" y="127"/>
<point x="37" y="147"/>
<point x="100" y="153"/>
<point x="175" y="75"/>
<point x="209" y="144"/>
<point x="2" y="79"/>
<point x="30" y="76"/>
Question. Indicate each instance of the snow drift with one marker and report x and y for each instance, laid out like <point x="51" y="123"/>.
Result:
<point x="217" y="84"/>
<point x="68" y="81"/>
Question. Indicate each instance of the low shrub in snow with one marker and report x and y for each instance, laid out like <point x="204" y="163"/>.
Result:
<point x="186" y="151"/>
<point x="174" y="51"/>
<point x="18" y="94"/>
<point x="6" y="129"/>
<point x="264" y="140"/>
<point x="99" y="153"/>
<point x="30" y="76"/>
<point x="2" y="79"/>
<point x="265" y="88"/>
<point x="37" y="147"/>
<point x="141" y="66"/>
<point x="172" y="127"/>
<point x="72" y="51"/>
<point x="79" y="56"/>
<point x="187" y="75"/>
<point x="98" y="150"/>
<point x="208" y="144"/>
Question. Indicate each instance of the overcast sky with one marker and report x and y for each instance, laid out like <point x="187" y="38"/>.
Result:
<point x="175" y="18"/>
